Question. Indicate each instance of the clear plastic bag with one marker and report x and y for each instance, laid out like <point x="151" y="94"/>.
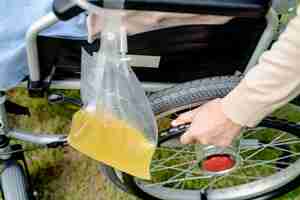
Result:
<point x="116" y="125"/>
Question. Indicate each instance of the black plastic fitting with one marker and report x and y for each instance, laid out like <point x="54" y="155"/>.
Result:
<point x="66" y="9"/>
<point x="37" y="88"/>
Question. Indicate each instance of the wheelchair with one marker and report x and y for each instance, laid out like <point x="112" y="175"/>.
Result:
<point x="186" y="66"/>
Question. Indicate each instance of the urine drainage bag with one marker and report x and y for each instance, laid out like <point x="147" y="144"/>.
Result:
<point x="116" y="126"/>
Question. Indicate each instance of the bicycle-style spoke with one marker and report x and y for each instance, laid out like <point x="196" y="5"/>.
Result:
<point x="274" y="146"/>
<point x="157" y="162"/>
<point x="179" y="166"/>
<point x="282" y="149"/>
<point x="288" y="140"/>
<point x="181" y="184"/>
<point x="273" y="167"/>
<point x="173" y="156"/>
<point x="184" y="175"/>
<point x="250" y="149"/>
<point x="188" y="170"/>
<point x="248" y="132"/>
<point x="214" y="181"/>
<point x="275" y="162"/>
<point x="174" y="167"/>
<point x="265" y="146"/>
<point x="269" y="161"/>
<point x="287" y="143"/>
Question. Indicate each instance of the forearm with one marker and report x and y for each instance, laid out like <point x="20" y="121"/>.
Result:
<point x="269" y="85"/>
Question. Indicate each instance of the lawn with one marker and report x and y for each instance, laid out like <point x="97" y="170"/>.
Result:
<point x="62" y="174"/>
<point x="65" y="174"/>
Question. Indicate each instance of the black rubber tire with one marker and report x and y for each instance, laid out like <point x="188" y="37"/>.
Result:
<point x="13" y="182"/>
<point x="198" y="91"/>
<point x="110" y="174"/>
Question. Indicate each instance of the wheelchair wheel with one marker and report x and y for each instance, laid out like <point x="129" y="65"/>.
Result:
<point x="162" y="102"/>
<point x="114" y="176"/>
<point x="13" y="182"/>
<point x="269" y="155"/>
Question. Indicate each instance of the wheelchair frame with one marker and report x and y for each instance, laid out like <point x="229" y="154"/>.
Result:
<point x="50" y="19"/>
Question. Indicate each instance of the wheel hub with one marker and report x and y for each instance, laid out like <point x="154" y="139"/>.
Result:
<point x="218" y="163"/>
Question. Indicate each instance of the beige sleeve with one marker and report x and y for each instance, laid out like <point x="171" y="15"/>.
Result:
<point x="269" y="85"/>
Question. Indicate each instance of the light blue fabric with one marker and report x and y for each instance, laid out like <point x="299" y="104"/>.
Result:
<point x="15" y="18"/>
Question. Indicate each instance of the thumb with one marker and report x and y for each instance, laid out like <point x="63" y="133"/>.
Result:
<point x="187" y="138"/>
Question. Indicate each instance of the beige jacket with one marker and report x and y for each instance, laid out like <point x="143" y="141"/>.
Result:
<point x="271" y="84"/>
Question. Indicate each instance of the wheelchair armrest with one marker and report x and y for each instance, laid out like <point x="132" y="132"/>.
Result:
<point x="241" y="8"/>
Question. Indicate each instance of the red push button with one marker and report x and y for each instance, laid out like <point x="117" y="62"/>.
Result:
<point x="218" y="163"/>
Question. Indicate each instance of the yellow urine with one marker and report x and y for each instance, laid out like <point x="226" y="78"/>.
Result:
<point x="113" y="142"/>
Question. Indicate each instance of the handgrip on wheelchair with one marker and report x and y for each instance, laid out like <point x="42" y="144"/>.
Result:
<point x="66" y="9"/>
<point x="174" y="132"/>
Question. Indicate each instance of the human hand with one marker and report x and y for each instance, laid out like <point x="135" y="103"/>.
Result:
<point x="209" y="125"/>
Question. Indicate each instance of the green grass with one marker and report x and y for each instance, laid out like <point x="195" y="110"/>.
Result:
<point x="65" y="174"/>
<point x="60" y="174"/>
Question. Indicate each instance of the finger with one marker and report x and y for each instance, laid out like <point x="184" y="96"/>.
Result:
<point x="223" y="141"/>
<point x="223" y="144"/>
<point x="202" y="140"/>
<point x="188" y="138"/>
<point x="184" y="118"/>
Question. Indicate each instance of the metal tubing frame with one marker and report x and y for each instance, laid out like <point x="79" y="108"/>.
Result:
<point x="39" y="139"/>
<point x="3" y="115"/>
<point x="31" y="44"/>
